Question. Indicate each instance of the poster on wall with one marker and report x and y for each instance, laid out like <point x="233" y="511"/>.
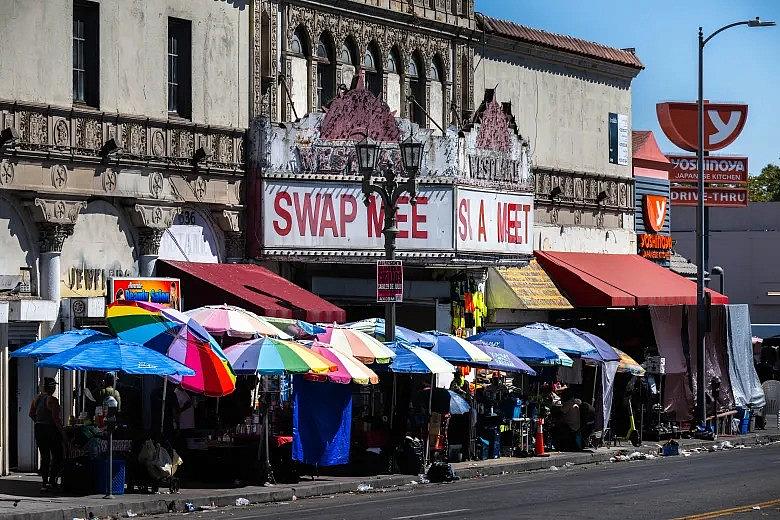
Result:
<point x="618" y="139"/>
<point x="165" y="291"/>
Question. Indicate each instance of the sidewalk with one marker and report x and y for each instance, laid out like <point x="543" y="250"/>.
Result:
<point x="20" y="498"/>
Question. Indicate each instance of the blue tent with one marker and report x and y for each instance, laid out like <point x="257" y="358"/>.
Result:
<point x="525" y="348"/>
<point x="604" y="351"/>
<point x="555" y="337"/>
<point x="504" y="360"/>
<point x="57" y="343"/>
<point x="116" y="355"/>
<point x="376" y="327"/>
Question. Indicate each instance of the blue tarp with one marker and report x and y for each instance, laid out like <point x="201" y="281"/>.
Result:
<point x="322" y="419"/>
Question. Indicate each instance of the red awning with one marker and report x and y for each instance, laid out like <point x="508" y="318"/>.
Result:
<point x="602" y="280"/>
<point x="249" y="286"/>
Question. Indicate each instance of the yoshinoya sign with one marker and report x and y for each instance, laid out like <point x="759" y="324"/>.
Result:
<point x="328" y="218"/>
<point x="713" y="196"/>
<point x="655" y="211"/>
<point x="723" y="122"/>
<point x="717" y="169"/>
<point x="389" y="281"/>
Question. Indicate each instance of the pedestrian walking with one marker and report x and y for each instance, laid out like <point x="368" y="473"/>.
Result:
<point x="45" y="411"/>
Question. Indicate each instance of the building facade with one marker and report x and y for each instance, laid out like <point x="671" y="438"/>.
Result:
<point x="125" y="128"/>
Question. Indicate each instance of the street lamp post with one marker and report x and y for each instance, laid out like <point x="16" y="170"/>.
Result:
<point x="389" y="188"/>
<point x="701" y="309"/>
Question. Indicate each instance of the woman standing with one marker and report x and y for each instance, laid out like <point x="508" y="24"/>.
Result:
<point x="45" y="411"/>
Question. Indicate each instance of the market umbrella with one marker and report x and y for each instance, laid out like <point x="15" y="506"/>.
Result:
<point x="235" y="322"/>
<point x="554" y="337"/>
<point x="417" y="360"/>
<point x="181" y="338"/>
<point x="447" y="401"/>
<point x="271" y="356"/>
<point x="525" y="348"/>
<point x="627" y="364"/>
<point x="375" y="327"/>
<point x="298" y="329"/>
<point x="456" y="350"/>
<point x="57" y="343"/>
<point x="356" y="343"/>
<point x="504" y="360"/>
<point x="604" y="351"/>
<point x="348" y="368"/>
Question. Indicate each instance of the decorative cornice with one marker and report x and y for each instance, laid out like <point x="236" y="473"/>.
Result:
<point x="228" y="220"/>
<point x="154" y="217"/>
<point x="57" y="211"/>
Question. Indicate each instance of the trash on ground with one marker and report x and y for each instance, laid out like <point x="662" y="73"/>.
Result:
<point x="131" y="514"/>
<point x="554" y="468"/>
<point x="364" y="488"/>
<point x="756" y="508"/>
<point x="242" y="501"/>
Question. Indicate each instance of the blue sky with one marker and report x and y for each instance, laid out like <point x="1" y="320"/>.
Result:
<point x="741" y="64"/>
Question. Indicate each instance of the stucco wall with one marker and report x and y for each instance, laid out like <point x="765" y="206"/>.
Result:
<point x="299" y="87"/>
<point x="580" y="239"/>
<point x="133" y="56"/>
<point x="563" y="110"/>
<point x="394" y="93"/>
<point x="436" y="106"/>
<point x="16" y="244"/>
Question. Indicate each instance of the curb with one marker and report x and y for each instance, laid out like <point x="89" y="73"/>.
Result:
<point x="158" y="505"/>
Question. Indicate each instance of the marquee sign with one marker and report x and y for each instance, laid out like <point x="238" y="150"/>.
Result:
<point x="723" y="122"/>
<point x="717" y="169"/>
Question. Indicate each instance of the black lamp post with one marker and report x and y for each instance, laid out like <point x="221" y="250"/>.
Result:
<point x="701" y="308"/>
<point x="389" y="188"/>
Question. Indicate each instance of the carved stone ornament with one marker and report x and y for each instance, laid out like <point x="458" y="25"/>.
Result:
<point x="359" y="110"/>
<point x="235" y="245"/>
<point x="6" y="173"/>
<point x="158" y="143"/>
<point x="228" y="220"/>
<point x="149" y="241"/>
<point x="57" y="211"/>
<point x="109" y="180"/>
<point x="52" y="236"/>
<point x="577" y="217"/>
<point x="61" y="133"/>
<point x="156" y="184"/>
<point x="493" y="133"/>
<point x="59" y="176"/>
<point x="158" y="217"/>
<point x="199" y="187"/>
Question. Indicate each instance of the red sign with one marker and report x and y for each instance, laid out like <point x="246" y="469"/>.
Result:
<point x="717" y="169"/>
<point x="723" y="123"/>
<point x="655" y="212"/>
<point x="389" y="281"/>
<point x="713" y="196"/>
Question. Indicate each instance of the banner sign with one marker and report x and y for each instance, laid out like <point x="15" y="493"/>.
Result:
<point x="389" y="281"/>
<point x="717" y="169"/>
<point x="723" y="122"/>
<point x="165" y="291"/>
<point x="618" y="139"/>
<point x="494" y="222"/>
<point x="713" y="196"/>
<point x="332" y="216"/>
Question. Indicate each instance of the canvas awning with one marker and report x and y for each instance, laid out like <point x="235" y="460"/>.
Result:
<point x="525" y="288"/>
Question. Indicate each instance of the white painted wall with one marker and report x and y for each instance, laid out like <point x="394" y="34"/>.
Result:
<point x="298" y="85"/>
<point x="561" y="109"/>
<point x="192" y="238"/>
<point x="36" y="57"/>
<point x="436" y="106"/>
<point x="347" y="73"/>
<point x="394" y="93"/>
<point x="580" y="239"/>
<point x="16" y="247"/>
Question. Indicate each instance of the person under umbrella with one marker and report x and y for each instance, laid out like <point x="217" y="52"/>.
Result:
<point x="46" y="412"/>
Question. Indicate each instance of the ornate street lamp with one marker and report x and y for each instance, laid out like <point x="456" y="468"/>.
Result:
<point x="389" y="188"/>
<point x="701" y="307"/>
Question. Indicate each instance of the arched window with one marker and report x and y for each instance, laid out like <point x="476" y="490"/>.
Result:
<point x="416" y="89"/>
<point x="326" y="70"/>
<point x="299" y="44"/>
<point x="373" y="67"/>
<point x="394" y="61"/>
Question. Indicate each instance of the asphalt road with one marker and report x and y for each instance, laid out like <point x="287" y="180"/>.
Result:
<point x="733" y="484"/>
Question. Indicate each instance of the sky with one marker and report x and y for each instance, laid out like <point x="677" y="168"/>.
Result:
<point x="741" y="64"/>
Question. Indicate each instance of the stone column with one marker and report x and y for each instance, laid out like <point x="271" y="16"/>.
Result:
<point x="151" y="222"/>
<point x="235" y="239"/>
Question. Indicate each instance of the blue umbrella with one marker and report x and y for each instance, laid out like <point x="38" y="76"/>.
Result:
<point x="116" y="355"/>
<point x="411" y="359"/>
<point x="445" y="401"/>
<point x="456" y="350"/>
<point x="604" y="352"/>
<point x="504" y="360"/>
<point x="525" y="348"/>
<point x="376" y="327"/>
<point x="57" y="343"/>
<point x="555" y="337"/>
<point x="458" y="405"/>
<point x="298" y="329"/>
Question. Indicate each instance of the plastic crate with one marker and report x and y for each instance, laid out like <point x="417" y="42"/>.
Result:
<point x="118" y="474"/>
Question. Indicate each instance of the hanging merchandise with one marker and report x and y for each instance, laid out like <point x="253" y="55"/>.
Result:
<point x="468" y="308"/>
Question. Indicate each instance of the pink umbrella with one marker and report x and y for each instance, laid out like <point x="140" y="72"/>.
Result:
<point x="349" y="369"/>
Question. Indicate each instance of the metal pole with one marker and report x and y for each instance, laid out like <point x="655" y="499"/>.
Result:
<point x="700" y="254"/>
<point x="110" y="484"/>
<point x="428" y="433"/>
<point x="164" y="398"/>
<point x="390" y="231"/>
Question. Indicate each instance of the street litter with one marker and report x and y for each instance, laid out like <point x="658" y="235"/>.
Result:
<point x="189" y="507"/>
<point x="242" y="501"/>
<point x="363" y="488"/>
<point x="130" y="514"/>
<point x="756" y="508"/>
<point x="553" y="468"/>
<point x="569" y="464"/>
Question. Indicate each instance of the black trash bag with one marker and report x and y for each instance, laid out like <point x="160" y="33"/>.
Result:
<point x="410" y="458"/>
<point x="441" y="472"/>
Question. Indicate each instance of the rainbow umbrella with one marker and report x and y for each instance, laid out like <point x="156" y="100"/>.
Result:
<point x="357" y="344"/>
<point x="235" y="322"/>
<point x="349" y="369"/>
<point x="628" y="365"/>
<point x="271" y="356"/>
<point x="178" y="336"/>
